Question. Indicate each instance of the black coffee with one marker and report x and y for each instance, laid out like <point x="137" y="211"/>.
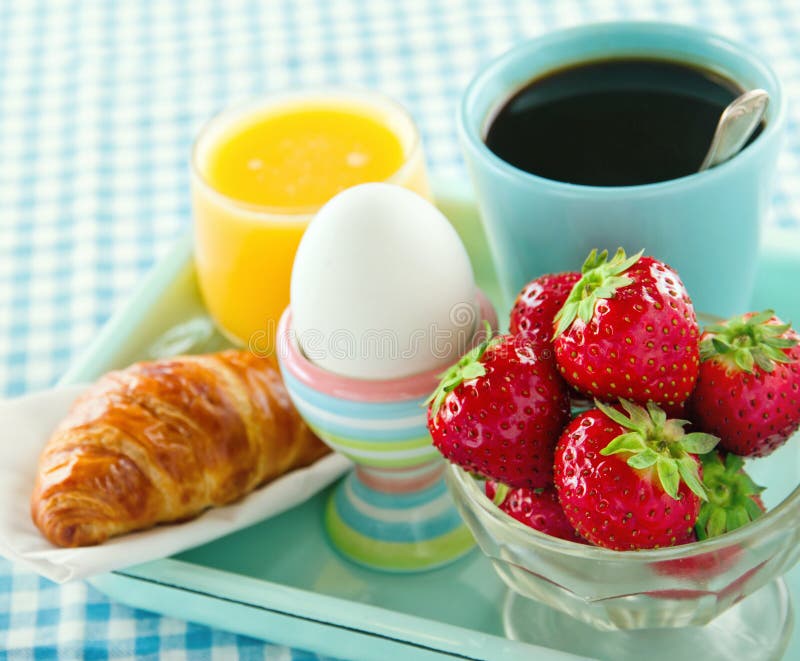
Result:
<point x="612" y="122"/>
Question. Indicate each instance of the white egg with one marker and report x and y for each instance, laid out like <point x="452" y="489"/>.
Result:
<point x="382" y="286"/>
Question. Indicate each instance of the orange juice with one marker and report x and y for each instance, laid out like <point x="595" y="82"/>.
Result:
<point x="259" y="175"/>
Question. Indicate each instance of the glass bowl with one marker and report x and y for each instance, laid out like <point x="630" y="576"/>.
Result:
<point x="634" y="592"/>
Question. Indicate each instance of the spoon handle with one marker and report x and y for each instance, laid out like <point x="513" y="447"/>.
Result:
<point x="735" y="126"/>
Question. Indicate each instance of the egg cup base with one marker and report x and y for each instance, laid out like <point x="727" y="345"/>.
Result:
<point x="370" y="522"/>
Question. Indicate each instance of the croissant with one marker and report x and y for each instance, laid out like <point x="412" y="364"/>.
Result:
<point x="162" y="441"/>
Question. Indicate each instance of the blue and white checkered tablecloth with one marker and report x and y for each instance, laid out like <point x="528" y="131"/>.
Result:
<point x="99" y="102"/>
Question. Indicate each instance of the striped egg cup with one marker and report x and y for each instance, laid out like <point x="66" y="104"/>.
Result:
<point x="393" y="511"/>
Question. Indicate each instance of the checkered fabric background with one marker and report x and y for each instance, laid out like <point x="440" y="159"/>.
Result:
<point x="99" y="102"/>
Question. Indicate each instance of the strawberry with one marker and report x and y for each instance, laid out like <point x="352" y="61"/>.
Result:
<point x="733" y="498"/>
<point x="499" y="410"/>
<point x="628" y="479"/>
<point x="628" y="329"/>
<point x="539" y="302"/>
<point x="534" y="311"/>
<point x="537" y="508"/>
<point x="702" y="568"/>
<point x="748" y="391"/>
<point x="699" y="567"/>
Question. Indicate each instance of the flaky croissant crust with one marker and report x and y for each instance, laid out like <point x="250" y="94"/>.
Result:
<point x="162" y="441"/>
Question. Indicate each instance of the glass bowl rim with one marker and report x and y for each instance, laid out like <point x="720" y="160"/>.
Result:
<point x="526" y="536"/>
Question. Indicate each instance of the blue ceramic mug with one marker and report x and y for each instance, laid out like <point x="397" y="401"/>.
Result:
<point x="705" y="225"/>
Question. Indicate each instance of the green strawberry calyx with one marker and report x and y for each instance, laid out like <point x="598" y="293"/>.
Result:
<point x="731" y="496"/>
<point x="601" y="279"/>
<point x="743" y="342"/>
<point x="501" y="493"/>
<point x="652" y="440"/>
<point x="502" y="490"/>
<point x="468" y="367"/>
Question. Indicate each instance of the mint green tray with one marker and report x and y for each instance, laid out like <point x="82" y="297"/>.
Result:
<point x="280" y="580"/>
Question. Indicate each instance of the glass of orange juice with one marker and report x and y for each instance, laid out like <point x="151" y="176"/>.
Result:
<point x="260" y="172"/>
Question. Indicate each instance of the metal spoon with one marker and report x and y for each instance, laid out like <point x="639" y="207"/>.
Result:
<point x="735" y="126"/>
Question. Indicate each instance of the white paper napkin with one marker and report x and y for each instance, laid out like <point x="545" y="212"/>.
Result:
<point x="25" y="426"/>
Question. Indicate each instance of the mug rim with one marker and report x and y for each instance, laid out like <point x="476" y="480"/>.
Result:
<point x="470" y="127"/>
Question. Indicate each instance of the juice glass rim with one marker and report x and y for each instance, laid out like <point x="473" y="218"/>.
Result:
<point x="341" y="98"/>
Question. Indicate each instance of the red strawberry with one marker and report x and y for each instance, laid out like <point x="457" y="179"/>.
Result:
<point x="498" y="412"/>
<point x="628" y="329"/>
<point x="701" y="569"/>
<point x="630" y="481"/>
<point x="733" y="498"/>
<point x="748" y="392"/>
<point x="537" y="508"/>
<point x="538" y="303"/>
<point x="534" y="311"/>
